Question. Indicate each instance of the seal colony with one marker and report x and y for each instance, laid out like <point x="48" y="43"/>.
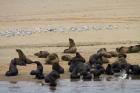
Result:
<point x="78" y="67"/>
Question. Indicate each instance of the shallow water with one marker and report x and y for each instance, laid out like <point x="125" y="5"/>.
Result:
<point x="67" y="86"/>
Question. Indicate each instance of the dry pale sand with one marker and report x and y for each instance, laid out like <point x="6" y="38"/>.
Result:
<point x="124" y="15"/>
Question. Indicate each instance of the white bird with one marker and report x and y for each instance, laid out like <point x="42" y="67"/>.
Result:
<point x="123" y="75"/>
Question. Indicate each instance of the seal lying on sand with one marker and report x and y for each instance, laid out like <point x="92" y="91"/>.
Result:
<point x="97" y="59"/>
<point x="72" y="47"/>
<point x="134" y="49"/>
<point x="42" y="54"/>
<point x="110" y="54"/>
<point x="66" y="57"/>
<point x="39" y="71"/>
<point x="22" y="60"/>
<point x="52" y="58"/>
<point x="130" y="49"/>
<point x="122" y="49"/>
<point x="113" y="53"/>
<point x="102" y="50"/>
<point x="13" y="71"/>
<point x="107" y="54"/>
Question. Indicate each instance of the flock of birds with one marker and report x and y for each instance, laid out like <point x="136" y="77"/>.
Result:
<point x="29" y="31"/>
<point x="78" y="67"/>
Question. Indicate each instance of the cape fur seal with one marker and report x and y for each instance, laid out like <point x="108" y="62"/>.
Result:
<point x="130" y="49"/>
<point x="52" y="58"/>
<point x="57" y="67"/>
<point x="72" y="47"/>
<point x="39" y="71"/>
<point x="52" y="77"/>
<point x="13" y="71"/>
<point x="66" y="57"/>
<point x="42" y="54"/>
<point x="22" y="60"/>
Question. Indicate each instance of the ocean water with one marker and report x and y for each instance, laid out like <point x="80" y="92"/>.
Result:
<point x="68" y="86"/>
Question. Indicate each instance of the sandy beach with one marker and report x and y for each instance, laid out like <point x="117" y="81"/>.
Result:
<point x="47" y="25"/>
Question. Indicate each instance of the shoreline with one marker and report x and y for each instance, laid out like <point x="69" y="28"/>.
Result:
<point x="78" y="44"/>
